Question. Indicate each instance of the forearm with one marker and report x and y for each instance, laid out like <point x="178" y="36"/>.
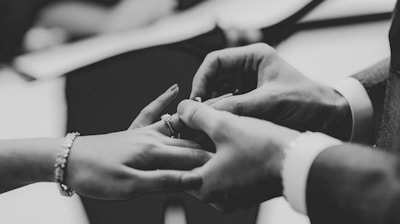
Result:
<point x="77" y="18"/>
<point x="26" y="161"/>
<point x="130" y="14"/>
<point x="353" y="184"/>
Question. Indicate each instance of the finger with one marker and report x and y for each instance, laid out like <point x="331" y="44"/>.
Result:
<point x="239" y="105"/>
<point x="179" y="158"/>
<point x="225" y="61"/>
<point x="152" y="111"/>
<point x="163" y="128"/>
<point x="171" y="180"/>
<point x="202" y="117"/>
<point x="181" y="143"/>
<point x="214" y="100"/>
<point x="214" y="65"/>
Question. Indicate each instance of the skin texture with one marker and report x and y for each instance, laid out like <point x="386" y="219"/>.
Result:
<point x="245" y="169"/>
<point x="113" y="166"/>
<point x="268" y="88"/>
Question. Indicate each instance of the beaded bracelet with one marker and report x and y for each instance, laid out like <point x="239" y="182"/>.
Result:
<point x="61" y="164"/>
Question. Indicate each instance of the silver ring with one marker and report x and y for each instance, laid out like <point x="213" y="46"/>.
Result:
<point x="167" y="118"/>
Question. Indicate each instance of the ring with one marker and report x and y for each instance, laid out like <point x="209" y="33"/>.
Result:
<point x="167" y="118"/>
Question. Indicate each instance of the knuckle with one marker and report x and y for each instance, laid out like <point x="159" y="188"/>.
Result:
<point x="265" y="48"/>
<point x="194" y="114"/>
<point x="163" y="182"/>
<point x="239" y="108"/>
<point x="265" y="52"/>
<point x="193" y="159"/>
<point x="200" y="155"/>
<point x="153" y="147"/>
<point x="211" y="56"/>
<point x="166" y="182"/>
<point x="147" y="145"/>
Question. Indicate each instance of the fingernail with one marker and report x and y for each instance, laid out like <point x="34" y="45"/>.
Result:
<point x="173" y="88"/>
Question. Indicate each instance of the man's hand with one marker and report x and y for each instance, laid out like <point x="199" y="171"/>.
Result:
<point x="271" y="89"/>
<point x="246" y="167"/>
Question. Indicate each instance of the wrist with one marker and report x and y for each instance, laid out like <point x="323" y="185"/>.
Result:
<point x="341" y="123"/>
<point x="335" y="113"/>
<point x="74" y="161"/>
<point x="61" y="164"/>
<point x="360" y="107"/>
<point x="80" y="161"/>
<point x="39" y="164"/>
<point x="286" y="138"/>
<point x="300" y="156"/>
<point x="50" y="155"/>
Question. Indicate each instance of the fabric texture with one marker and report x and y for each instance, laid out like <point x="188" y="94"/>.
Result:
<point x="351" y="184"/>
<point x="389" y="132"/>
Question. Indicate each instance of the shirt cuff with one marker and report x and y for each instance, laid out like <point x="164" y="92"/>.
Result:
<point x="300" y="155"/>
<point x="361" y="109"/>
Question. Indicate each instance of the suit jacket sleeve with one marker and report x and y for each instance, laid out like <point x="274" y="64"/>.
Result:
<point x="354" y="184"/>
<point x="374" y="81"/>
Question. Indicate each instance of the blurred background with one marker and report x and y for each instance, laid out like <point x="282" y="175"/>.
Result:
<point x="44" y="42"/>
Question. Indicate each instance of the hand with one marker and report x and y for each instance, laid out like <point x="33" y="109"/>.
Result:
<point x="271" y="89"/>
<point x="246" y="167"/>
<point x="130" y="163"/>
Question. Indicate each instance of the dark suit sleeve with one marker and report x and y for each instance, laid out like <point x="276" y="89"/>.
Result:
<point x="374" y="81"/>
<point x="354" y="184"/>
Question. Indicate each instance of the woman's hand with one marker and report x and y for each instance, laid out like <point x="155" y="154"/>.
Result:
<point x="271" y="89"/>
<point x="246" y="167"/>
<point x="130" y="163"/>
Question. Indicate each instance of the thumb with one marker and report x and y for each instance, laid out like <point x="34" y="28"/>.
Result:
<point x="231" y="104"/>
<point x="201" y="117"/>
<point x="243" y="105"/>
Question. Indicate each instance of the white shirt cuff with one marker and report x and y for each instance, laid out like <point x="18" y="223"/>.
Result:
<point x="300" y="156"/>
<point x="361" y="109"/>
